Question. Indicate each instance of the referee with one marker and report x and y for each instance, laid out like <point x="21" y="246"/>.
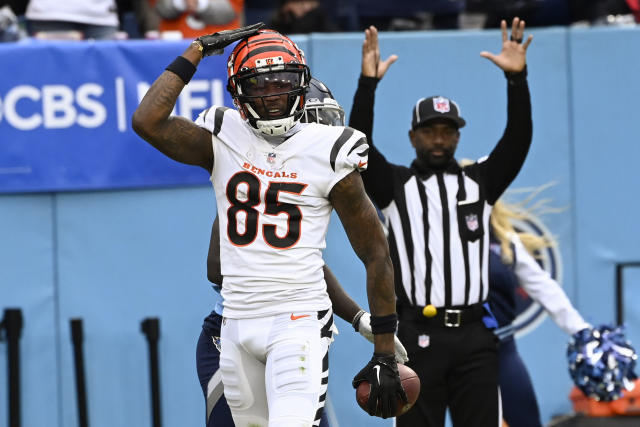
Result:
<point x="437" y="216"/>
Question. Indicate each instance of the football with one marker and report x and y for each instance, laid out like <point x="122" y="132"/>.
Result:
<point x="410" y="383"/>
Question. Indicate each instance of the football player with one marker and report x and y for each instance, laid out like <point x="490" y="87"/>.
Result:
<point x="320" y="107"/>
<point x="276" y="182"/>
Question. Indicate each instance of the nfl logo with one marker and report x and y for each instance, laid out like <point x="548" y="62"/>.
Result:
<point x="423" y="341"/>
<point x="472" y="222"/>
<point x="441" y="104"/>
<point x="271" y="158"/>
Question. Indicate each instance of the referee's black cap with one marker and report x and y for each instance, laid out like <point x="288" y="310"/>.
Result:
<point x="436" y="107"/>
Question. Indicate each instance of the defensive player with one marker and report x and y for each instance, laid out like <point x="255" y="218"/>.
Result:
<point x="320" y="107"/>
<point x="276" y="182"/>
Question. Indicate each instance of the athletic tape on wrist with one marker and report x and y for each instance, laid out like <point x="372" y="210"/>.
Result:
<point x="356" y="320"/>
<point x="384" y="324"/>
<point x="182" y="68"/>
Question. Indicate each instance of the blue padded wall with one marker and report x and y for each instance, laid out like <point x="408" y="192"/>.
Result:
<point x="27" y="281"/>
<point x="116" y="257"/>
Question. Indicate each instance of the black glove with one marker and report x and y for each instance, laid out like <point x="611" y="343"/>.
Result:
<point x="214" y="44"/>
<point x="382" y="374"/>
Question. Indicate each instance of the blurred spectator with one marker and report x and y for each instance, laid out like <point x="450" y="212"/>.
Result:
<point x="9" y="29"/>
<point x="497" y="10"/>
<point x="138" y="18"/>
<point x="597" y="11"/>
<point x="541" y="13"/>
<point x="17" y="6"/>
<point x="404" y="15"/>
<point x="74" y="19"/>
<point x="302" y="17"/>
<point x="193" y="18"/>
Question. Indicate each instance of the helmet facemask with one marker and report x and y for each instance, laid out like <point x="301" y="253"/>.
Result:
<point x="268" y="78"/>
<point x="325" y="111"/>
<point x="272" y="98"/>
<point x="321" y="107"/>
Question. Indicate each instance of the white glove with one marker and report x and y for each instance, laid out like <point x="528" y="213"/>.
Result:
<point x="362" y="324"/>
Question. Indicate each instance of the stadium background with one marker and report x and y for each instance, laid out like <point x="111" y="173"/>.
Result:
<point x="95" y="224"/>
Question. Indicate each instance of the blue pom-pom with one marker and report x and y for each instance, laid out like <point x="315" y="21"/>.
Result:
<point x="601" y="362"/>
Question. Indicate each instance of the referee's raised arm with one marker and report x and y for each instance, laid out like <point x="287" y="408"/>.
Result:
<point x="506" y="159"/>
<point x="375" y="177"/>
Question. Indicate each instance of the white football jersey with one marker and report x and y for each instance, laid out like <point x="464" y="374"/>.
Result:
<point x="273" y="204"/>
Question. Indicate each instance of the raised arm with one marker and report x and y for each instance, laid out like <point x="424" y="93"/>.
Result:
<point x="507" y="157"/>
<point x="376" y="177"/>
<point x="177" y="137"/>
<point x="372" y="72"/>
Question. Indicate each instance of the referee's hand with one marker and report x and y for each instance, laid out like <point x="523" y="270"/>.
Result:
<point x="382" y="374"/>
<point x="513" y="57"/>
<point x="372" y="66"/>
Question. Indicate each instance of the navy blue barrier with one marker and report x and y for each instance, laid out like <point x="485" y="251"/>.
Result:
<point x="65" y="114"/>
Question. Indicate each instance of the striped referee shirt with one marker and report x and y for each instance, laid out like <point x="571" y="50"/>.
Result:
<point x="438" y="220"/>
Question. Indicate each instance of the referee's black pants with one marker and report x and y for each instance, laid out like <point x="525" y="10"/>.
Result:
<point x="458" y="369"/>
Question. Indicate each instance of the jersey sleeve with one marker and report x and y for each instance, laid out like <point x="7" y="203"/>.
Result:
<point x="545" y="290"/>
<point x="211" y="118"/>
<point x="349" y="152"/>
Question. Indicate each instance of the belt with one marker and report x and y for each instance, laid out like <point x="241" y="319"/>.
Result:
<point x="448" y="317"/>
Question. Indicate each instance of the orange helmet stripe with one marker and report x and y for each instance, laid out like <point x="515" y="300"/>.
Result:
<point x="264" y="42"/>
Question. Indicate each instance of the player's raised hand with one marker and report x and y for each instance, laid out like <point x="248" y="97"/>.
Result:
<point x="362" y="324"/>
<point x="382" y="374"/>
<point x="513" y="56"/>
<point x="371" y="64"/>
<point x="214" y="44"/>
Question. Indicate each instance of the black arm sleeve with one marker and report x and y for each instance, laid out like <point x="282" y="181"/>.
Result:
<point x="377" y="177"/>
<point x="507" y="157"/>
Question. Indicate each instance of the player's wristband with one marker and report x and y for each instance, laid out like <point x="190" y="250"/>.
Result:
<point x="182" y="68"/>
<point x="356" y="320"/>
<point x="384" y="324"/>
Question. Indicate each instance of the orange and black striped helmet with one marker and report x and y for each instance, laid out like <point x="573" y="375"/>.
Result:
<point x="265" y="68"/>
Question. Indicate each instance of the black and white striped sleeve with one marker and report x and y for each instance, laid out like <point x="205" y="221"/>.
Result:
<point x="348" y="153"/>
<point x="211" y="119"/>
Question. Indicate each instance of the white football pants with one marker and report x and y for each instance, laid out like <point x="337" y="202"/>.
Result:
<point x="275" y="369"/>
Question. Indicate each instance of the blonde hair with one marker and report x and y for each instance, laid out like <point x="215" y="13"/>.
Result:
<point x="503" y="213"/>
